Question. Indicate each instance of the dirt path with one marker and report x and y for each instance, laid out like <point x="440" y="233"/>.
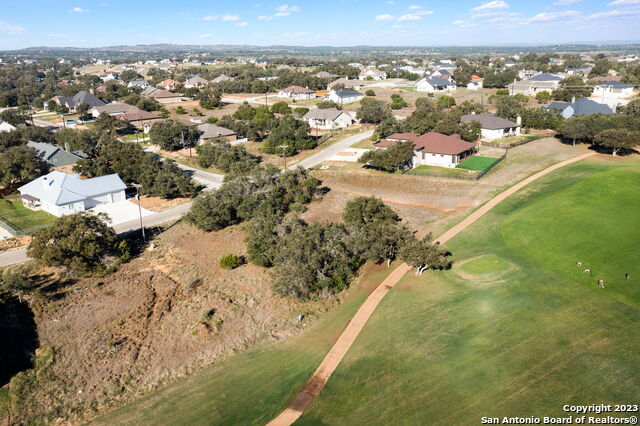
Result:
<point x="320" y="377"/>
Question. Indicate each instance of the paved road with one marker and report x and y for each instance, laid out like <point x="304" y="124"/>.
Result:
<point x="330" y="151"/>
<point x="46" y="124"/>
<point x="316" y="383"/>
<point x="210" y="180"/>
<point x="13" y="257"/>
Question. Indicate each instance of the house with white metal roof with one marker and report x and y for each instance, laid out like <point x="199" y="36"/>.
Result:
<point x="61" y="194"/>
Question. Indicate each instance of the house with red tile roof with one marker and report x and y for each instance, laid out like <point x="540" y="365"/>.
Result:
<point x="433" y="148"/>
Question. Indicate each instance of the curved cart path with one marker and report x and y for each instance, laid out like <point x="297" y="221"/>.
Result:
<point x="320" y="377"/>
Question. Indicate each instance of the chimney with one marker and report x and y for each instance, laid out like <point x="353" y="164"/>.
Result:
<point x="519" y="120"/>
<point x="573" y="99"/>
<point x="67" y="147"/>
<point x="473" y="113"/>
<point x="45" y="182"/>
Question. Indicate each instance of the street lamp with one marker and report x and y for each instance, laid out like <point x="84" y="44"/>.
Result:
<point x="137" y="187"/>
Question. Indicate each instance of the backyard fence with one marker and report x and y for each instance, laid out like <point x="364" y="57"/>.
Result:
<point x="461" y="176"/>
<point x="21" y="232"/>
<point x="528" y="138"/>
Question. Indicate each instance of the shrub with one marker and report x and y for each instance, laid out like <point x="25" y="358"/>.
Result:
<point x="231" y="261"/>
<point x="370" y="93"/>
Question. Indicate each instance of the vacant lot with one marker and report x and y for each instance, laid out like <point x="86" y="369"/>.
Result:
<point x="252" y="387"/>
<point x="20" y="218"/>
<point x="515" y="328"/>
<point x="429" y="203"/>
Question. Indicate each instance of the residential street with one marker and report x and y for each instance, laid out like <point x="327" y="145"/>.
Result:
<point x="332" y="150"/>
<point x="210" y="180"/>
<point x="13" y="257"/>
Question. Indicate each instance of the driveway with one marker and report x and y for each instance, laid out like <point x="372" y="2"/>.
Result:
<point x="332" y="151"/>
<point x="121" y="212"/>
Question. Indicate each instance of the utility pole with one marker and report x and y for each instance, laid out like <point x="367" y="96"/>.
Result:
<point x="284" y="155"/>
<point x="137" y="186"/>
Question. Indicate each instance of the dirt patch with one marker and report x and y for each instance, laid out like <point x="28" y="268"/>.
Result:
<point x="15" y="242"/>
<point x="163" y="315"/>
<point x="157" y="204"/>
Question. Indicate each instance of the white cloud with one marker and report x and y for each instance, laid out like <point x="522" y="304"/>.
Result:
<point x="225" y="17"/>
<point x="207" y="35"/>
<point x="495" y="4"/>
<point x="615" y="12"/>
<point x="385" y="17"/>
<point x="424" y="12"/>
<point x="58" y="35"/>
<point x="623" y="2"/>
<point x="7" y="28"/>
<point x="497" y="14"/>
<point x="78" y="10"/>
<point x="554" y="15"/>
<point x="285" y="8"/>
<point x="414" y="7"/>
<point x="409" y="17"/>
<point x="104" y="4"/>
<point x="281" y="11"/>
<point x="458" y="22"/>
<point x="566" y="2"/>
<point x="242" y="24"/>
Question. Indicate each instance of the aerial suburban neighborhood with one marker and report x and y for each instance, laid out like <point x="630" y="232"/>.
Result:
<point x="337" y="213"/>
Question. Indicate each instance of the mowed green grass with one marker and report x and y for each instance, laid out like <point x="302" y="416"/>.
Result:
<point x="252" y="387"/>
<point x="448" y="349"/>
<point x="21" y="218"/>
<point x="477" y="163"/>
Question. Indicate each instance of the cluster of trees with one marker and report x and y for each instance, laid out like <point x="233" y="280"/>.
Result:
<point x="261" y="192"/>
<point x="431" y="116"/>
<point x="230" y="159"/>
<point x="510" y="107"/>
<point x="496" y="78"/>
<point x="18" y="162"/>
<point x="396" y="157"/>
<point x="571" y="87"/>
<point x="283" y="134"/>
<point x="158" y="178"/>
<point x="81" y="242"/>
<point x="612" y="132"/>
<point x="171" y="135"/>
<point x="310" y="260"/>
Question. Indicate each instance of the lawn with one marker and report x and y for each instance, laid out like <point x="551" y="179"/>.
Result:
<point x="249" y="388"/>
<point x="477" y="163"/>
<point x="20" y="218"/>
<point x="424" y="170"/>
<point x="514" y="328"/>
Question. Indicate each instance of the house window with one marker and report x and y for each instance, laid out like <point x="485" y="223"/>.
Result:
<point x="441" y="155"/>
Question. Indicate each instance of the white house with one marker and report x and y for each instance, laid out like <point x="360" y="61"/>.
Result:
<point x="344" y="96"/>
<point x="143" y="84"/>
<point x="494" y="127"/>
<point x="433" y="149"/>
<point x="613" y="89"/>
<point x="475" y="83"/>
<point x="114" y="108"/>
<point x="328" y="118"/>
<point x="372" y="73"/>
<point x="61" y="194"/>
<point x="435" y="84"/>
<point x="110" y="76"/>
<point x="196" y="82"/>
<point x="6" y="127"/>
<point x="297" y="93"/>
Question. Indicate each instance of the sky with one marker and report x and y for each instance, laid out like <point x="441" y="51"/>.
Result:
<point x="97" y="23"/>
